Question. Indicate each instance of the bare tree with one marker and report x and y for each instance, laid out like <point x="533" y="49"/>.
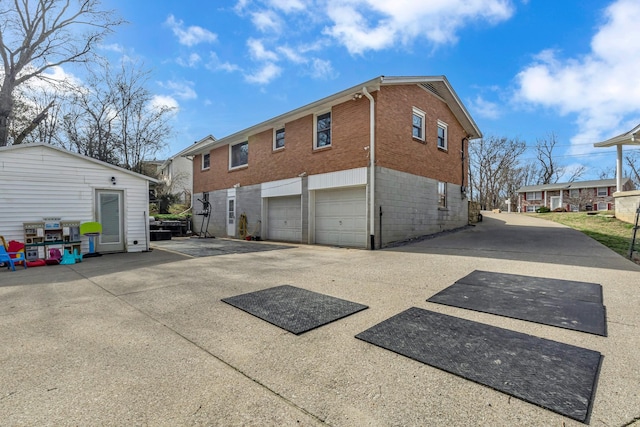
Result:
<point x="494" y="164"/>
<point x="576" y="173"/>
<point x="550" y="171"/>
<point x="37" y="35"/>
<point x="633" y="161"/>
<point x="113" y="119"/>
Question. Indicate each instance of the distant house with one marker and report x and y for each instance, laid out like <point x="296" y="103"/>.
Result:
<point x="175" y="173"/>
<point x="594" y="195"/>
<point x="382" y="161"/>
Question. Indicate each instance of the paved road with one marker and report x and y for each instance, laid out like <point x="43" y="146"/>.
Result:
<point x="143" y="339"/>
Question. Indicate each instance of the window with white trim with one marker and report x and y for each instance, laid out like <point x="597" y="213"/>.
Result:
<point x="238" y="155"/>
<point x="603" y="191"/>
<point x="206" y="161"/>
<point x="603" y="206"/>
<point x="418" y="123"/>
<point x="574" y="192"/>
<point x="531" y="208"/>
<point x="442" y="194"/>
<point x="322" y="135"/>
<point x="534" y="195"/>
<point x="278" y="138"/>
<point x="442" y="135"/>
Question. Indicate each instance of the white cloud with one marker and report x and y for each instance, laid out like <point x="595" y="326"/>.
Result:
<point x="484" y="108"/>
<point x="265" y="75"/>
<point x="601" y="88"/>
<point x="57" y="74"/>
<point x="258" y="51"/>
<point x="322" y="69"/>
<point x="113" y="47"/>
<point x="289" y="5"/>
<point x="266" y="20"/>
<point x="363" y="25"/>
<point x="163" y="101"/>
<point x="191" y="62"/>
<point x="292" y="55"/>
<point x="215" y="64"/>
<point x="182" y="90"/>
<point x="192" y="35"/>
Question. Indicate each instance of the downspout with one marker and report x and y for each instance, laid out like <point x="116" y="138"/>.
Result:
<point x="372" y="167"/>
<point x="463" y="158"/>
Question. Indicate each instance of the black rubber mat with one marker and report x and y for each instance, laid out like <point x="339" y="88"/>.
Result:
<point x="540" y="286"/>
<point x="553" y="375"/>
<point x="565" y="304"/>
<point x="294" y="309"/>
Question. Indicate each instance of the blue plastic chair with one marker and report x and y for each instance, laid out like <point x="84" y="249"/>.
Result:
<point x="5" y="257"/>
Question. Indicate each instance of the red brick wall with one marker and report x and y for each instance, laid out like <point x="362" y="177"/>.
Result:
<point x="349" y="136"/>
<point x="395" y="147"/>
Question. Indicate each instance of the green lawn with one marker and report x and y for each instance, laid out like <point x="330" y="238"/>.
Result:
<point x="611" y="232"/>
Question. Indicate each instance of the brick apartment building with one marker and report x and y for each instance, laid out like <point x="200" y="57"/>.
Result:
<point x="596" y="195"/>
<point x="383" y="161"/>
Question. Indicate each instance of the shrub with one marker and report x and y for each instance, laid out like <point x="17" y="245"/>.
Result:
<point x="543" y="209"/>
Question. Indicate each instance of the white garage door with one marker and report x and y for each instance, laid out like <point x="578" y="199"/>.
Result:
<point x="341" y="217"/>
<point x="284" y="219"/>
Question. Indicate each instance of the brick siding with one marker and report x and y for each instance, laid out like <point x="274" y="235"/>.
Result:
<point x="395" y="147"/>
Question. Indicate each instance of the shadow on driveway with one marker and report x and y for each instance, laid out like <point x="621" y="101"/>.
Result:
<point x="521" y="238"/>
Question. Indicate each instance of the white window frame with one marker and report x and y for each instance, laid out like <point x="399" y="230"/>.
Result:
<point x="423" y="116"/>
<point x="532" y="208"/>
<point x="605" y="204"/>
<point x="531" y="195"/>
<point x="208" y="157"/>
<point x="275" y="137"/>
<point x="315" y="130"/>
<point x="442" y="195"/>
<point x="444" y="127"/>
<point x="231" y="166"/>
<point x="574" y="192"/>
<point x="605" y="190"/>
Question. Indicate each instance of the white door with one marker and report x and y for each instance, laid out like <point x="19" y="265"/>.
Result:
<point x="555" y="202"/>
<point x="231" y="215"/>
<point x="111" y="216"/>
<point x="284" y="219"/>
<point x="341" y="217"/>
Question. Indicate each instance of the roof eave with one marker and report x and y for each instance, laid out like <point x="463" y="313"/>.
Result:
<point x="454" y="102"/>
<point x="87" y="158"/>
<point x="628" y="138"/>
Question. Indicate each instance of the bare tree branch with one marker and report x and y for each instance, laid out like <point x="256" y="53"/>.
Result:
<point x="38" y="35"/>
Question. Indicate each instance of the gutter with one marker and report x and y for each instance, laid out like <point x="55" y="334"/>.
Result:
<point x="372" y="166"/>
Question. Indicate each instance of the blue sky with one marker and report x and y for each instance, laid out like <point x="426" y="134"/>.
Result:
<point x="523" y="68"/>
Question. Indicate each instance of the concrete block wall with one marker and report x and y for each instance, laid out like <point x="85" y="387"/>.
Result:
<point x="626" y="203"/>
<point x="410" y="207"/>
<point x="249" y="202"/>
<point x="218" y="217"/>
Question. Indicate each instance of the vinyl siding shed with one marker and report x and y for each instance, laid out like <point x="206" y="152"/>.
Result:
<point x="42" y="181"/>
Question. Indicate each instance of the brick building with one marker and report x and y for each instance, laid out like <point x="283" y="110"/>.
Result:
<point x="579" y="196"/>
<point x="382" y="161"/>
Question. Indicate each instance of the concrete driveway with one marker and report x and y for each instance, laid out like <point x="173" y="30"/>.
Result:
<point x="143" y="339"/>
